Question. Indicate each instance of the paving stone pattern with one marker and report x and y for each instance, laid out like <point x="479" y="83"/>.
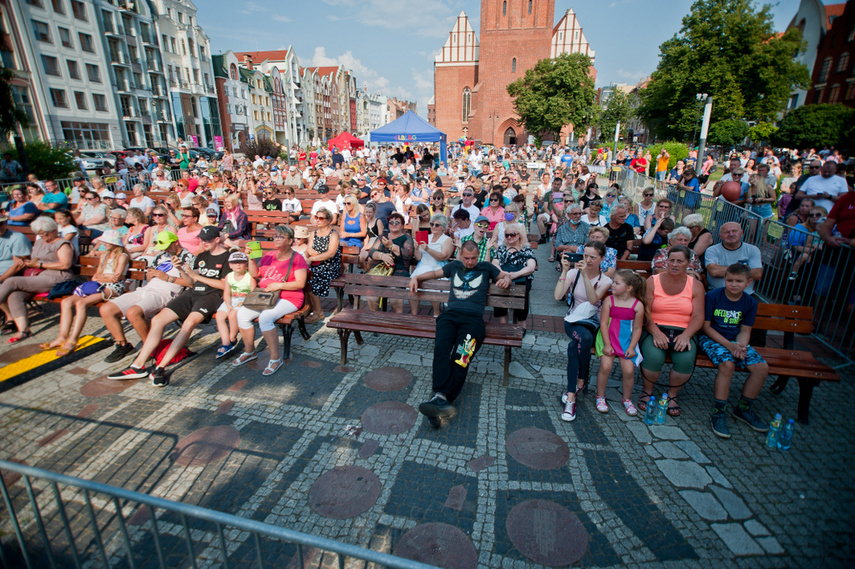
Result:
<point x="341" y="452"/>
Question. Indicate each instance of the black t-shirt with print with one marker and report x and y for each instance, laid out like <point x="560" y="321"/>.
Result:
<point x="272" y="205"/>
<point x="212" y="267"/>
<point x="469" y="286"/>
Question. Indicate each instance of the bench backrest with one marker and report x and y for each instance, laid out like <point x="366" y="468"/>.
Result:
<point x="784" y="318"/>
<point x="89" y="266"/>
<point x="430" y="290"/>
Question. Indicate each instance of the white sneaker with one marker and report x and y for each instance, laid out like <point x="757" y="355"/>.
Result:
<point x="569" y="413"/>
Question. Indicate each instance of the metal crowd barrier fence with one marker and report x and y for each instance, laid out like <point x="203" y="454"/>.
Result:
<point x="60" y="521"/>
<point x="798" y="267"/>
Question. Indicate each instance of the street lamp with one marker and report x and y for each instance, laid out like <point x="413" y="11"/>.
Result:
<point x="700" y="98"/>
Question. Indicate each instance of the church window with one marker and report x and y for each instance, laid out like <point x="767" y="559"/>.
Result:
<point x="467" y="101"/>
<point x="504" y="8"/>
<point x="514" y="65"/>
<point x="529" y="7"/>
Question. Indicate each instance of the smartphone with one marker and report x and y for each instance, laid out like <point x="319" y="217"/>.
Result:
<point x="573" y="258"/>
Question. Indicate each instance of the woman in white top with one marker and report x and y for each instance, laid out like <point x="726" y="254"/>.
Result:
<point x="142" y="201"/>
<point x="431" y="256"/>
<point x="68" y="229"/>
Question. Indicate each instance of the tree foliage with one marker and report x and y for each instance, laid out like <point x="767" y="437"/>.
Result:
<point x="10" y="116"/>
<point x="676" y="151"/>
<point x="618" y="108"/>
<point x="762" y="132"/>
<point x="46" y="161"/>
<point x="554" y="93"/>
<point x="816" y="126"/>
<point x="728" y="132"/>
<point x="727" y="49"/>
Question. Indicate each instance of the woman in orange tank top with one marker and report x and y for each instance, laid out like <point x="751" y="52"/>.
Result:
<point x="676" y="303"/>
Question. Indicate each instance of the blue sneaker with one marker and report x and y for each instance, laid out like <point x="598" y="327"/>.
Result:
<point x="751" y="419"/>
<point x="719" y="425"/>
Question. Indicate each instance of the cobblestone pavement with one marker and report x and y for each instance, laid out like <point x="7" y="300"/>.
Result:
<point x="341" y="452"/>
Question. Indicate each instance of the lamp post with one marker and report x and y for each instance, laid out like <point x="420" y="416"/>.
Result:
<point x="704" y="130"/>
<point x="700" y="98"/>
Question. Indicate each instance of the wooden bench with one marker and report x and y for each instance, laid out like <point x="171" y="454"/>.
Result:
<point x="355" y="321"/>
<point x="286" y="323"/>
<point x="88" y="266"/>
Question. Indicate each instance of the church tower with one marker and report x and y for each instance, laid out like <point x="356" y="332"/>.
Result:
<point x="515" y="35"/>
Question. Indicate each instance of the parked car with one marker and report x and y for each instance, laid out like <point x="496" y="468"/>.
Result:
<point x="208" y="153"/>
<point x="93" y="159"/>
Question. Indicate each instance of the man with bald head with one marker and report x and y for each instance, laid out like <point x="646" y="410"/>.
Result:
<point x="732" y="250"/>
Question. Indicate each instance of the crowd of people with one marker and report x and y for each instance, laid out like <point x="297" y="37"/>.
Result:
<point x="411" y="215"/>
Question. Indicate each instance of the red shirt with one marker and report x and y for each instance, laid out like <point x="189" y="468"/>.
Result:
<point x="639" y="165"/>
<point x="844" y="212"/>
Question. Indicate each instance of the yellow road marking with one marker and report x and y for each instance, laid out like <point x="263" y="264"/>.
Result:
<point x="42" y="358"/>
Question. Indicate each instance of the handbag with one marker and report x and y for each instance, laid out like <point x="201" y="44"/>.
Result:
<point x="510" y="268"/>
<point x="88" y="288"/>
<point x="63" y="289"/>
<point x="381" y="269"/>
<point x="32" y="271"/>
<point x="261" y="300"/>
<point x="583" y="314"/>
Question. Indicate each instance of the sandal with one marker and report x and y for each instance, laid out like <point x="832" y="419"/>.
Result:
<point x="552" y="259"/>
<point x="675" y="410"/>
<point x="49" y="346"/>
<point x="630" y="408"/>
<point x="245" y="358"/>
<point x="272" y="367"/>
<point x="226" y="349"/>
<point x="314" y="318"/>
<point x="642" y="400"/>
<point x="16" y="339"/>
<point x="8" y="328"/>
<point x="602" y="406"/>
<point x="65" y="350"/>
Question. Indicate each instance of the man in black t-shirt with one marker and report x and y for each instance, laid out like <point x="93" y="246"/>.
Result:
<point x="193" y="307"/>
<point x="460" y="328"/>
<point x="620" y="232"/>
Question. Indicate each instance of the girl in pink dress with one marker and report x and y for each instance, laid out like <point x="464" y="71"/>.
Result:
<point x="621" y="324"/>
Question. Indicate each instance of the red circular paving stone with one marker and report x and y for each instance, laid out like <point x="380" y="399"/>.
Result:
<point x="389" y="418"/>
<point x="344" y="492"/>
<point x="78" y="371"/>
<point x="141" y="516"/>
<point x="103" y="386"/>
<point x="206" y="446"/>
<point x="19" y="353"/>
<point x="537" y="448"/>
<point x="311" y="363"/>
<point x="547" y="533"/>
<point x="388" y="379"/>
<point x="438" y="544"/>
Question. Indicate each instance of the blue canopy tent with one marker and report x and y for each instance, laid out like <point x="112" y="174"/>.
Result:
<point x="411" y="128"/>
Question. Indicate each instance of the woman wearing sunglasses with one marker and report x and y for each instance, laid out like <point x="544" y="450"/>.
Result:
<point x="516" y="258"/>
<point x="324" y="256"/>
<point x="433" y="254"/>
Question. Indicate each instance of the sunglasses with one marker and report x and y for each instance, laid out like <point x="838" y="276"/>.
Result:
<point x="436" y="225"/>
<point x="815" y="215"/>
<point x="158" y="215"/>
<point x="482" y="224"/>
<point x="320" y="217"/>
<point x="493" y="200"/>
<point x="510" y="234"/>
<point x="468" y="195"/>
<point x="648" y="195"/>
<point x="394" y="222"/>
<point x="610" y="196"/>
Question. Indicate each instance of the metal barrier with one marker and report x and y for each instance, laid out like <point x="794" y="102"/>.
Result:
<point x="110" y="182"/>
<point x="43" y="510"/>
<point x="798" y="267"/>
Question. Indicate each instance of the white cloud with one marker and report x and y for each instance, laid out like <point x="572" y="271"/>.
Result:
<point x="278" y="18"/>
<point x="426" y="18"/>
<point x="364" y="76"/>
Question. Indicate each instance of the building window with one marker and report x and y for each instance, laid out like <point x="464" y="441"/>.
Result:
<point x="834" y="94"/>
<point x="51" y="65"/>
<point x="80" y="99"/>
<point x="467" y="102"/>
<point x="65" y="37"/>
<point x="58" y="98"/>
<point x="823" y="72"/>
<point x="79" y="10"/>
<point x="86" y="135"/>
<point x="817" y="96"/>
<point x="42" y="31"/>
<point x="93" y="72"/>
<point x="504" y="8"/>
<point x="843" y="62"/>
<point x="86" y="43"/>
<point x="73" y="69"/>
<point x="514" y="65"/>
<point x="529" y="7"/>
<point x="850" y="92"/>
<point x="100" y="102"/>
<point x="58" y="7"/>
<point x="233" y="74"/>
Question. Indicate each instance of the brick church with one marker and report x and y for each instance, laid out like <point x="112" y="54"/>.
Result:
<point x="470" y="77"/>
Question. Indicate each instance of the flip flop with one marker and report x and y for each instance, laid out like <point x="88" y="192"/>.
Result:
<point x="64" y="350"/>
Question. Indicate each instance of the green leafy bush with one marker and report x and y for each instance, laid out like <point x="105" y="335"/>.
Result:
<point x="676" y="151"/>
<point x="48" y="161"/>
<point x="816" y="126"/>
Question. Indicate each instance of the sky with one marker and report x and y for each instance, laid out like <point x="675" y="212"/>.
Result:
<point x="390" y="45"/>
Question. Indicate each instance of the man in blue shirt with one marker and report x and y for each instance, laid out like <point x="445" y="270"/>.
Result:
<point x="729" y="316"/>
<point x="54" y="198"/>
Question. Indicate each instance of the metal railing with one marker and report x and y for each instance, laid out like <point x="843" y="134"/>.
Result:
<point x="102" y="532"/>
<point x="798" y="267"/>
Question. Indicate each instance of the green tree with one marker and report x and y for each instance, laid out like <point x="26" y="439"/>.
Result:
<point x="10" y="116"/>
<point x="730" y="50"/>
<point x="728" y="132"/>
<point x="676" y="151"/>
<point x="762" y="132"/>
<point x="816" y="126"/>
<point x="48" y="161"/>
<point x="261" y="147"/>
<point x="618" y="108"/>
<point x="554" y="93"/>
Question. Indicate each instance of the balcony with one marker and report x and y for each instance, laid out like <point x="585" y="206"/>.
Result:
<point x="116" y="59"/>
<point x="153" y="67"/>
<point x="146" y="118"/>
<point x="137" y="66"/>
<point x="163" y="116"/>
<point x="123" y="87"/>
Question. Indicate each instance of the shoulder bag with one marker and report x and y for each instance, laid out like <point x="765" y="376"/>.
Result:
<point x="261" y="300"/>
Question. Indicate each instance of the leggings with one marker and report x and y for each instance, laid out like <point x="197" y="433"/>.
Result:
<point x="16" y="291"/>
<point x="266" y="319"/>
<point x="578" y="354"/>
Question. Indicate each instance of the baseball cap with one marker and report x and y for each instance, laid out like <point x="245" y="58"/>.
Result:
<point x="238" y="257"/>
<point x="323" y="188"/>
<point x="209" y="233"/>
<point x="293" y="168"/>
<point x="481" y="218"/>
<point x="121" y="196"/>
<point x="164" y="240"/>
<point x="107" y="194"/>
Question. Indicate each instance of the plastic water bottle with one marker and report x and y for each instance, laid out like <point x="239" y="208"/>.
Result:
<point x="786" y="435"/>
<point x="650" y="414"/>
<point x="774" y="429"/>
<point x="662" y="411"/>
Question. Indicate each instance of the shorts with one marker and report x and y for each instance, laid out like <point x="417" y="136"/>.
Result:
<point x="151" y="302"/>
<point x="654" y="358"/>
<point x="660" y="176"/>
<point x="186" y="303"/>
<point x="719" y="354"/>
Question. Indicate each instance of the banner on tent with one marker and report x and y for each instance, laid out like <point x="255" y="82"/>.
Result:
<point x="406" y="137"/>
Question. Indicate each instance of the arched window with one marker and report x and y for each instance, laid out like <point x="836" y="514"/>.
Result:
<point x="514" y="65"/>
<point x="233" y="72"/>
<point x="504" y="8"/>
<point x="529" y="7"/>
<point x="467" y="103"/>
